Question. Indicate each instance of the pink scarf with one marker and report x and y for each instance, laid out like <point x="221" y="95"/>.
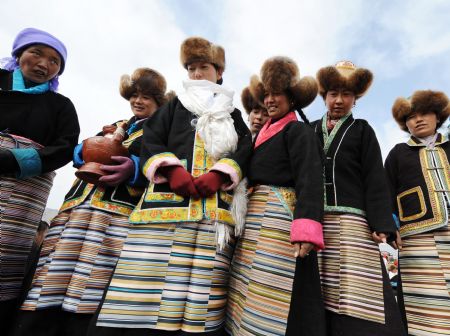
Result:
<point x="269" y="129"/>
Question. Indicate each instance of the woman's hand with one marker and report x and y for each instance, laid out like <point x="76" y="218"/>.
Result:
<point x="119" y="173"/>
<point x="379" y="237"/>
<point x="302" y="249"/>
<point x="181" y="181"/>
<point x="397" y="243"/>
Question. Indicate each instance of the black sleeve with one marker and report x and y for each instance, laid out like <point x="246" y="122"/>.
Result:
<point x="376" y="194"/>
<point x="8" y="163"/>
<point x="306" y="157"/>
<point x="60" y="150"/>
<point x="391" y="169"/>
<point x="156" y="131"/>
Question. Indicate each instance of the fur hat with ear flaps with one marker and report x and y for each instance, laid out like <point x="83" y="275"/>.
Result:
<point x="198" y="49"/>
<point x="344" y="75"/>
<point x="281" y="74"/>
<point x="253" y="96"/>
<point x="421" y="101"/>
<point x="147" y="81"/>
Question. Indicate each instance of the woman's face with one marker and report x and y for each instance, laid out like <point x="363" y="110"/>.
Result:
<point x="142" y="105"/>
<point x="422" y="124"/>
<point x="39" y="63"/>
<point x="277" y="104"/>
<point x="203" y="70"/>
<point x="257" y="118"/>
<point x="339" y="102"/>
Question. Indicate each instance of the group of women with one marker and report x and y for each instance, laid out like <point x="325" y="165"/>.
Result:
<point x="208" y="228"/>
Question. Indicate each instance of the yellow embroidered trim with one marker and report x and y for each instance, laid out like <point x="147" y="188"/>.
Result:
<point x="233" y="164"/>
<point x="437" y="207"/>
<point x="97" y="202"/>
<point x="423" y="207"/>
<point x="132" y="137"/>
<point x="74" y="202"/>
<point x="156" y="157"/>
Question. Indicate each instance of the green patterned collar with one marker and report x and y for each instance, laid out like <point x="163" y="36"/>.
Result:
<point x="414" y="142"/>
<point x="328" y="138"/>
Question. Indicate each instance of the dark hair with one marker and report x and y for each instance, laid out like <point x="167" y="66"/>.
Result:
<point x="297" y="108"/>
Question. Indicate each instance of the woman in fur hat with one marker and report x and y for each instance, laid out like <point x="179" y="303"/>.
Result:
<point x="252" y="98"/>
<point x="419" y="177"/>
<point x="172" y="275"/>
<point x="38" y="132"/>
<point x="275" y="259"/>
<point x="356" y="290"/>
<point x="85" y="239"/>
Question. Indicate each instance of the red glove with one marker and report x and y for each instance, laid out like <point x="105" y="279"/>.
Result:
<point x="180" y="181"/>
<point x="209" y="183"/>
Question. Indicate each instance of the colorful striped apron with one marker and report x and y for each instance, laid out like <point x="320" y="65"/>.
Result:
<point x="350" y="268"/>
<point x="263" y="266"/>
<point x="22" y="203"/>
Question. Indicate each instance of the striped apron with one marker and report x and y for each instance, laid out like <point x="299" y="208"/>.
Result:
<point x="350" y="268"/>
<point x="170" y="276"/>
<point x="263" y="266"/>
<point x="22" y="203"/>
<point x="425" y="274"/>
<point x="77" y="258"/>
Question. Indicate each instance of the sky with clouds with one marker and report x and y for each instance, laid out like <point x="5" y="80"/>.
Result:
<point x="406" y="44"/>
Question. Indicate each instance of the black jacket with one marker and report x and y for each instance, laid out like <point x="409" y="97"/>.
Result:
<point x="48" y="118"/>
<point x="419" y="179"/>
<point x="355" y="181"/>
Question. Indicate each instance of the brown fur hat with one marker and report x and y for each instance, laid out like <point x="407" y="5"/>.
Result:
<point x="144" y="80"/>
<point x="198" y="49"/>
<point x="344" y="75"/>
<point x="281" y="74"/>
<point x="421" y="101"/>
<point x="253" y="96"/>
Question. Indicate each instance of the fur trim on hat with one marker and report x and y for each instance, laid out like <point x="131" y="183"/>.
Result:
<point x="144" y="80"/>
<point x="281" y="74"/>
<point x="356" y="80"/>
<point x="198" y="49"/>
<point x="253" y="96"/>
<point x="421" y="101"/>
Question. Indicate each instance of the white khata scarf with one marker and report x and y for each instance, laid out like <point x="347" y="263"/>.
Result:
<point x="213" y="105"/>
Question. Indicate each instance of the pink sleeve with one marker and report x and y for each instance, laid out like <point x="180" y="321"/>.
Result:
<point x="151" y="170"/>
<point x="307" y="230"/>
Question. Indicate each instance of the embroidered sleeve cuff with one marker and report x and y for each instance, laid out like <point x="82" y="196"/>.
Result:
<point x="156" y="161"/>
<point x="230" y="168"/>
<point x="307" y="230"/>
<point x="29" y="162"/>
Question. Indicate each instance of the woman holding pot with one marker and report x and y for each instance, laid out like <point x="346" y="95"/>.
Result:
<point x="84" y="241"/>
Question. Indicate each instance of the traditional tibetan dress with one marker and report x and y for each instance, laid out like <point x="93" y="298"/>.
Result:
<point x="268" y="286"/>
<point x="356" y="290"/>
<point x="419" y="177"/>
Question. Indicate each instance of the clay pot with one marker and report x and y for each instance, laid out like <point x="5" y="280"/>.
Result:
<point x="97" y="151"/>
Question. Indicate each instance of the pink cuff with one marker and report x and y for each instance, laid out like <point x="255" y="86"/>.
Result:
<point x="230" y="172"/>
<point x="307" y="230"/>
<point x="152" y="170"/>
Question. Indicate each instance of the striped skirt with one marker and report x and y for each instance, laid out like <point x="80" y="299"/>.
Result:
<point x="77" y="258"/>
<point x="170" y="277"/>
<point x="263" y="267"/>
<point x="425" y="274"/>
<point x="350" y="269"/>
<point x="22" y="203"/>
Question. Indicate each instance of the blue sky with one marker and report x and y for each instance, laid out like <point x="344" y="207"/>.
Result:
<point x="406" y="44"/>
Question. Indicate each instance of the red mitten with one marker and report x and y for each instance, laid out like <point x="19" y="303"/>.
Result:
<point x="180" y="181"/>
<point x="209" y="183"/>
